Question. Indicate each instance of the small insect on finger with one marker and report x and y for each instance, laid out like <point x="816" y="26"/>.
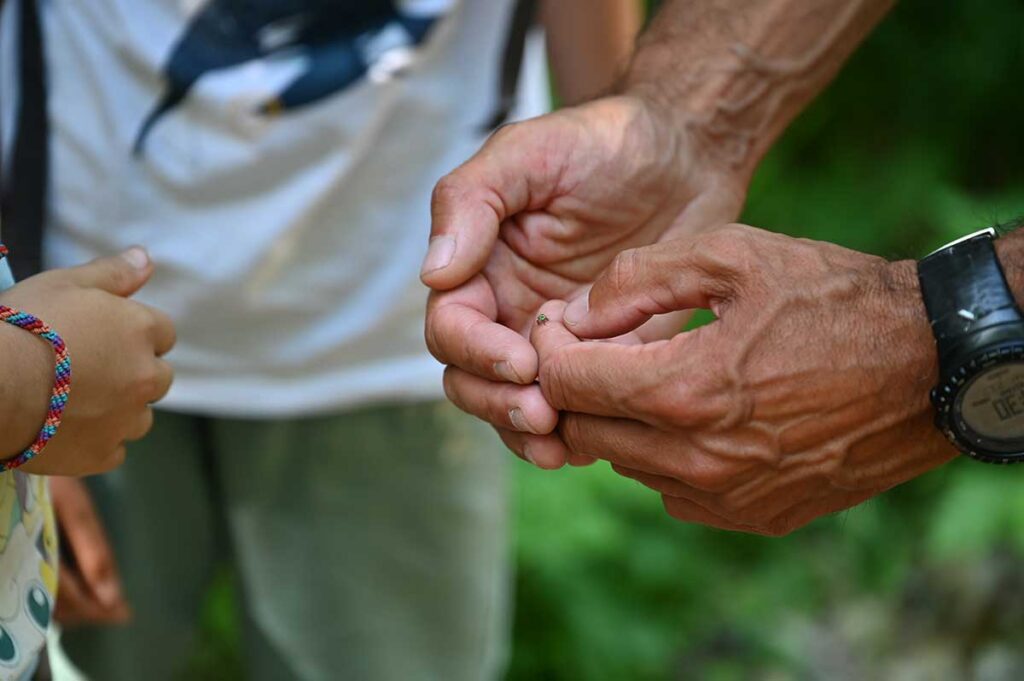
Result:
<point x="542" y="319"/>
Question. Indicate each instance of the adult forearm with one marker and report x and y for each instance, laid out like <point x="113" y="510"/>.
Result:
<point x="736" y="72"/>
<point x="589" y="43"/>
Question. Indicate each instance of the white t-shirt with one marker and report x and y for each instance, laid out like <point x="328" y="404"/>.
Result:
<point x="278" y="165"/>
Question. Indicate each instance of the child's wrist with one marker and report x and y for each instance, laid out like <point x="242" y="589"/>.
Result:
<point x="26" y="380"/>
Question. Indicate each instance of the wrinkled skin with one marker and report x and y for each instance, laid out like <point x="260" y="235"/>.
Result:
<point x="537" y="214"/>
<point x="808" y="395"/>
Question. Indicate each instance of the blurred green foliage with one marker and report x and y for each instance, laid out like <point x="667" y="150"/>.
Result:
<point x="917" y="141"/>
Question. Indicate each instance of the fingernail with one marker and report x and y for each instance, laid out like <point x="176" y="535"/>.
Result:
<point x="507" y="372"/>
<point x="527" y="455"/>
<point x="576" y="310"/>
<point x="519" y="422"/>
<point x="439" y="255"/>
<point x="136" y="257"/>
<point x="109" y="593"/>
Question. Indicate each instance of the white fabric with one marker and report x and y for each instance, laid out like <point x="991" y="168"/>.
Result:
<point x="288" y="246"/>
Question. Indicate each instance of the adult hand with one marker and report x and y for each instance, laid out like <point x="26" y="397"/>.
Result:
<point x="537" y="214"/>
<point x="90" y="585"/>
<point x="808" y="395"/>
<point x="115" y="346"/>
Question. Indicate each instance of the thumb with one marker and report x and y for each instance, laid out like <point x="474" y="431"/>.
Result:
<point x="638" y="284"/>
<point x="121" y="274"/>
<point x="516" y="169"/>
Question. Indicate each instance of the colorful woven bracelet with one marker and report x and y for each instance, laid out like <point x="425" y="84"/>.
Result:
<point x="61" y="383"/>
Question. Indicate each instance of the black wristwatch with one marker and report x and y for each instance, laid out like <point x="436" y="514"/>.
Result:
<point x="979" y="331"/>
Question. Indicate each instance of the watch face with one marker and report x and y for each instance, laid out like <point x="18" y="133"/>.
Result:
<point x="992" y="404"/>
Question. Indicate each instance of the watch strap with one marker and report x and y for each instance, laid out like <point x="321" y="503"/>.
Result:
<point x="965" y="291"/>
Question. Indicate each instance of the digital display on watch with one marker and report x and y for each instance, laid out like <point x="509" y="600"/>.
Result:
<point x="992" y="404"/>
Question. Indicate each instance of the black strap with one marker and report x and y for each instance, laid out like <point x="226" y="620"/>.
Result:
<point x="965" y="291"/>
<point x="23" y="195"/>
<point x="512" y="61"/>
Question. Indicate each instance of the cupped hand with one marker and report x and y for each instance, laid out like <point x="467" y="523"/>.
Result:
<point x="115" y="346"/>
<point x="537" y="214"/>
<point x="808" y="395"/>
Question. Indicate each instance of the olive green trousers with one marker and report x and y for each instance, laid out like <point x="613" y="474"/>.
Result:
<point x="366" y="545"/>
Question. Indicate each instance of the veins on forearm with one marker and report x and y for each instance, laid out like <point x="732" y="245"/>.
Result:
<point x="735" y="73"/>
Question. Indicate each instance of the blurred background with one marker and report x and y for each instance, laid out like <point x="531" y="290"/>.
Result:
<point x="917" y="142"/>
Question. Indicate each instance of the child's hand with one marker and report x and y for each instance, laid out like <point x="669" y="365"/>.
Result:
<point x="115" y="346"/>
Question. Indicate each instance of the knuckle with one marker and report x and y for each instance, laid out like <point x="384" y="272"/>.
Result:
<point x="149" y="385"/>
<point x="624" y="269"/>
<point x="713" y="477"/>
<point x="504" y="133"/>
<point x="450" y="388"/>
<point x="677" y="509"/>
<point x="670" y="406"/>
<point x="172" y="336"/>
<point x="555" y="375"/>
<point x="666" y="408"/>
<point x="477" y="353"/>
<point x="448" y="190"/>
<point x="671" y="507"/>
<point x="145" y="425"/>
<point x="430" y="336"/>
<point x="727" y="505"/>
<point x="839" y="475"/>
<point x="441" y="328"/>
<point x="729" y="249"/>
<point x="781" y="525"/>
<point x="116" y="458"/>
<point x="513" y="441"/>
<point x="775" y="528"/>
<point x="119" y="278"/>
<point x="163" y="327"/>
<point x="148" y="322"/>
<point x="572" y="432"/>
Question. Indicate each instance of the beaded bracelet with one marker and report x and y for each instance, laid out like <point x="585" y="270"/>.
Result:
<point x="61" y="383"/>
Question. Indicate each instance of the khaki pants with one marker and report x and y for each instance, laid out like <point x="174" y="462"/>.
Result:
<point x="368" y="545"/>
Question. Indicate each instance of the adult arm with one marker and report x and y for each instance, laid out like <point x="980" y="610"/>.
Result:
<point x="735" y="72"/>
<point x="546" y="204"/>
<point x="808" y="395"/>
<point x="589" y="43"/>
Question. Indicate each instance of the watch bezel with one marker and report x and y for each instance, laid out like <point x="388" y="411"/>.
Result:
<point x="944" y="399"/>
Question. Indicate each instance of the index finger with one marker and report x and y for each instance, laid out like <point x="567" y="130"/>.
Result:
<point x="604" y="378"/>
<point x="519" y="165"/>
<point x="587" y="377"/>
